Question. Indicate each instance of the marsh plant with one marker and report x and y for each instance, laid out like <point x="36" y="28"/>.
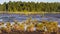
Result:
<point x="30" y="26"/>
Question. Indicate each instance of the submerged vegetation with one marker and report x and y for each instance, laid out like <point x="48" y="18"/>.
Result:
<point x="29" y="26"/>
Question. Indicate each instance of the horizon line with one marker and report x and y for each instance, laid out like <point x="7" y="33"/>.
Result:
<point x="31" y="1"/>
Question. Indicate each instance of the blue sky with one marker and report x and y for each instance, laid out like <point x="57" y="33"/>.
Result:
<point x="2" y="1"/>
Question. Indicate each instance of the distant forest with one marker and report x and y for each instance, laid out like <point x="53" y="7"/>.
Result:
<point x="30" y="7"/>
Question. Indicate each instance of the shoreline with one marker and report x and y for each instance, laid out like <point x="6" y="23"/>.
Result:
<point x="28" y="12"/>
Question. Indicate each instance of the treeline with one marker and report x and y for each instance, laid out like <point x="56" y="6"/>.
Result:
<point x="30" y="7"/>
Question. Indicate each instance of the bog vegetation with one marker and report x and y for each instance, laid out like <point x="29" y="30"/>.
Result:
<point x="29" y="26"/>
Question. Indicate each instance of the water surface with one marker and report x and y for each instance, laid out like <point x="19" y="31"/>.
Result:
<point x="22" y="17"/>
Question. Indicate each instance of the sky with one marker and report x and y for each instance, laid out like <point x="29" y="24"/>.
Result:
<point x="2" y="1"/>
